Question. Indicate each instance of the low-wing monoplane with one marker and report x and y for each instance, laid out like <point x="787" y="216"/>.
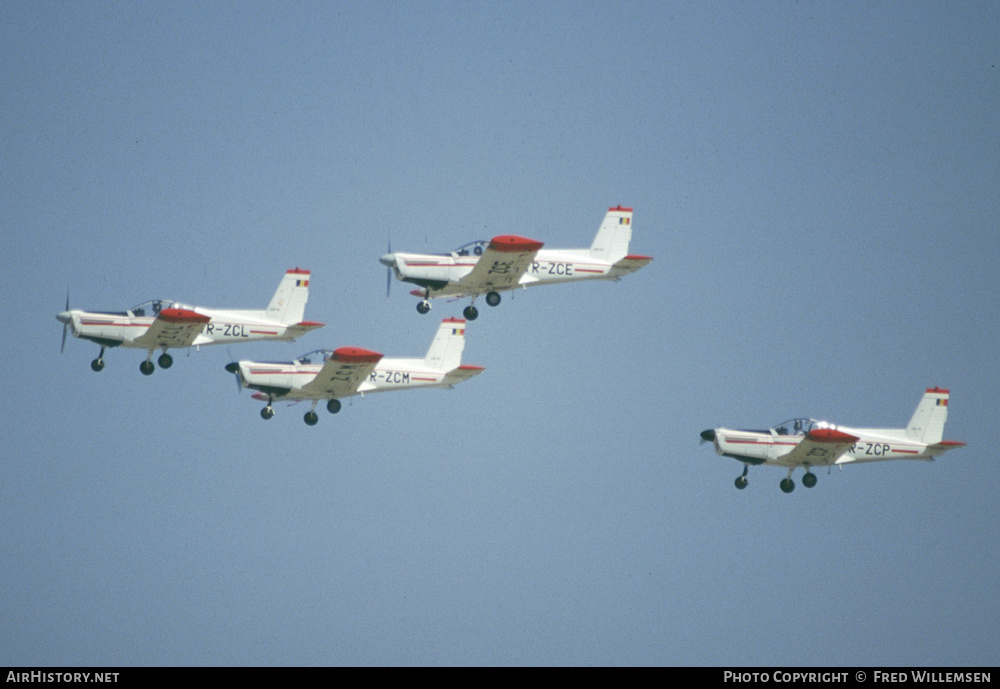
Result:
<point x="810" y="443"/>
<point x="507" y="262"/>
<point x="332" y="375"/>
<point x="163" y="324"/>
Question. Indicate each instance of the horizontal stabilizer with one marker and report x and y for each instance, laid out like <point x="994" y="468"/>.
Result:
<point x="462" y="373"/>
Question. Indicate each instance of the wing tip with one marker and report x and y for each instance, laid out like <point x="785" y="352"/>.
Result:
<point x="511" y="243"/>
<point x="356" y="355"/>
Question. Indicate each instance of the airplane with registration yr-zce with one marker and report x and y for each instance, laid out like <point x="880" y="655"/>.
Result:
<point x="509" y="262"/>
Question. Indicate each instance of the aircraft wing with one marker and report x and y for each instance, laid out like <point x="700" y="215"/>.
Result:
<point x="820" y="446"/>
<point x="343" y="372"/>
<point x="173" y="328"/>
<point x="501" y="266"/>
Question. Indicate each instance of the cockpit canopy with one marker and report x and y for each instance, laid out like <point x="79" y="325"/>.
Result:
<point x="153" y="308"/>
<point x="318" y="356"/>
<point x="472" y="248"/>
<point x="798" y="426"/>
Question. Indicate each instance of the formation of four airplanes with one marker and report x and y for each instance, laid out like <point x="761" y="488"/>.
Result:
<point x="504" y="263"/>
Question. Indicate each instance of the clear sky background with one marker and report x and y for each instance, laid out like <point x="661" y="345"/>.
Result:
<point x="817" y="182"/>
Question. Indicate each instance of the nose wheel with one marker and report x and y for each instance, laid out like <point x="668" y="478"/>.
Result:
<point x="741" y="480"/>
<point x="424" y="306"/>
<point x="97" y="365"/>
<point x="268" y="411"/>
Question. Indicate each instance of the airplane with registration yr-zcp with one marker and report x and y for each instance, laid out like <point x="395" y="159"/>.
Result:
<point x="809" y="443"/>
<point x="164" y="324"/>
<point x="508" y="262"/>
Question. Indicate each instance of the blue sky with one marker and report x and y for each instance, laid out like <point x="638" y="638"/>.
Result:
<point x="817" y="183"/>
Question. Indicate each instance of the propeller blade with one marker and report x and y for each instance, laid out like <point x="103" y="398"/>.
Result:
<point x="388" y="271"/>
<point x="62" y="348"/>
<point x="234" y="368"/>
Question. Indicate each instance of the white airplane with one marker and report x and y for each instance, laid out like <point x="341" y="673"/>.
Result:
<point x="507" y="262"/>
<point x="810" y="443"/>
<point x="164" y="324"/>
<point x="334" y="374"/>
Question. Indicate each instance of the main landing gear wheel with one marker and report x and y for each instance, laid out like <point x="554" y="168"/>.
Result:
<point x="147" y="368"/>
<point x="471" y="313"/>
<point x="787" y="485"/>
<point x="333" y="406"/>
<point x="165" y="360"/>
<point x="493" y="299"/>
<point x="424" y="306"/>
<point x="266" y="413"/>
<point x="311" y="418"/>
<point x="97" y="365"/>
<point x="809" y="480"/>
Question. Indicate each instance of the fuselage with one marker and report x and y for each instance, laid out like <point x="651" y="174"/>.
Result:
<point x="442" y="273"/>
<point x="287" y="380"/>
<point x="772" y="446"/>
<point x="218" y="326"/>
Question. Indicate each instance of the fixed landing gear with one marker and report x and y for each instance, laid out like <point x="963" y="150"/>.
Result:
<point x="333" y="406"/>
<point x="97" y="365"/>
<point x="493" y="298"/>
<point x="146" y="367"/>
<point x="741" y="480"/>
<point x="311" y="418"/>
<point x="470" y="312"/>
<point x="267" y="412"/>
<point x="424" y="306"/>
<point x="787" y="485"/>
<point x="809" y="480"/>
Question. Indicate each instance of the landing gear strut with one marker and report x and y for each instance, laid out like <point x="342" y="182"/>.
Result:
<point x="741" y="480"/>
<point x="267" y="412"/>
<point x="311" y="418"/>
<point x="97" y="365"/>
<point x="424" y="306"/>
<point x="787" y="484"/>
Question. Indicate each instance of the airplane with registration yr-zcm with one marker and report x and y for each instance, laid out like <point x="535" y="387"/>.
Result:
<point x="333" y="375"/>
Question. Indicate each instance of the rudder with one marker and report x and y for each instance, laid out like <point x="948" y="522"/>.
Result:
<point x="927" y="424"/>
<point x="445" y="352"/>
<point x="614" y="235"/>
<point x="288" y="305"/>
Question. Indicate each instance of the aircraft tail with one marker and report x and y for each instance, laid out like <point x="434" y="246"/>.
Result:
<point x="927" y="424"/>
<point x="614" y="235"/>
<point x="445" y="352"/>
<point x="288" y="305"/>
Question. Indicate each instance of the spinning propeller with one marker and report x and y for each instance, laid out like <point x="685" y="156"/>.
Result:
<point x="65" y="318"/>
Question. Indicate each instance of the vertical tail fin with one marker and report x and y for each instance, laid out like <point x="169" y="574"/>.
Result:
<point x="927" y="424"/>
<point x="288" y="305"/>
<point x="445" y="352"/>
<point x="614" y="235"/>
